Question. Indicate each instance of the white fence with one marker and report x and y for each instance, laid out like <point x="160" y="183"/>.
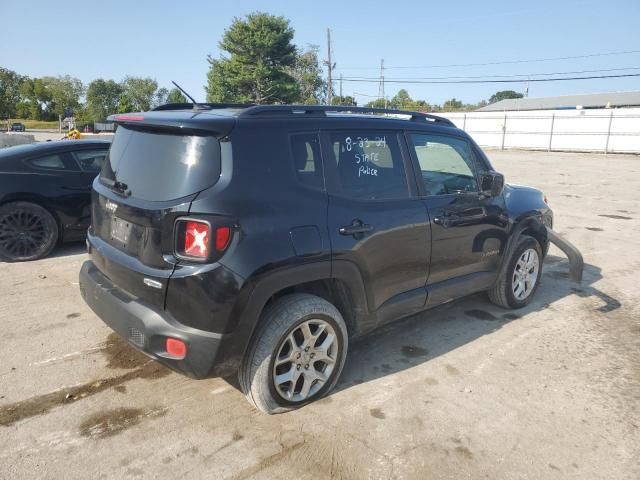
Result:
<point x="599" y="130"/>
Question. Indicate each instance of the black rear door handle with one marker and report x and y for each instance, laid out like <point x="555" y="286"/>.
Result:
<point x="355" y="228"/>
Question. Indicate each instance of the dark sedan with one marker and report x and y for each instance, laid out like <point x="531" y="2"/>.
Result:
<point x="18" y="127"/>
<point x="45" y="195"/>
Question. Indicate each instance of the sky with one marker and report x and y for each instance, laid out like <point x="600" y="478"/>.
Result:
<point x="170" y="40"/>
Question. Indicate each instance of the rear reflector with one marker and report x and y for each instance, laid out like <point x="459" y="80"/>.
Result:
<point x="176" y="348"/>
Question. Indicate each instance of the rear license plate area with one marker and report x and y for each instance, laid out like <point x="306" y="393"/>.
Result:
<point x="120" y="230"/>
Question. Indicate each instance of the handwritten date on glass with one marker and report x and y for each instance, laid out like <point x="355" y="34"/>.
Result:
<point x="366" y="160"/>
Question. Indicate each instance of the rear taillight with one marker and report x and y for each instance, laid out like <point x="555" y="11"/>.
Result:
<point x="223" y="237"/>
<point x="201" y="240"/>
<point x="196" y="239"/>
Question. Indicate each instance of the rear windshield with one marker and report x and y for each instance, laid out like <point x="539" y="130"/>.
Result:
<point x="158" y="165"/>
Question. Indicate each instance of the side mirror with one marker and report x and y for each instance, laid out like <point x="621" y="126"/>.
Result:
<point x="491" y="183"/>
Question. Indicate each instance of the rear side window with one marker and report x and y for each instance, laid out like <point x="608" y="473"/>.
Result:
<point x="159" y="165"/>
<point x="305" y="149"/>
<point x="90" y="160"/>
<point x="48" y="161"/>
<point x="369" y="165"/>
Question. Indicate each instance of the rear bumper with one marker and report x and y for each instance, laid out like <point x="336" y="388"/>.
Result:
<point x="146" y="328"/>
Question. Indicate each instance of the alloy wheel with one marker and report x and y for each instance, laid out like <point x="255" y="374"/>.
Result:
<point x="305" y="360"/>
<point x="23" y="233"/>
<point x="525" y="274"/>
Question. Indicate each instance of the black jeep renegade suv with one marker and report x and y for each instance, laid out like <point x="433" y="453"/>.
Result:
<point x="259" y="240"/>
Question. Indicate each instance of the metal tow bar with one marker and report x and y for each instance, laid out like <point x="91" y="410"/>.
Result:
<point x="576" y="263"/>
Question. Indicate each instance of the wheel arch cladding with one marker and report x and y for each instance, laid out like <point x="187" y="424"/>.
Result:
<point x="345" y="291"/>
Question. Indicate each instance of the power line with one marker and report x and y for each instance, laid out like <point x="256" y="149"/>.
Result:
<point x="520" y="80"/>
<point x="519" y="75"/>
<point x="505" y="62"/>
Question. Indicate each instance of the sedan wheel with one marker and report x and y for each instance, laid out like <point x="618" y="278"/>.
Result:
<point x="27" y="232"/>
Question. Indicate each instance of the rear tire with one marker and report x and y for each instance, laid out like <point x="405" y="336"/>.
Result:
<point x="519" y="281"/>
<point x="297" y="354"/>
<point x="27" y="232"/>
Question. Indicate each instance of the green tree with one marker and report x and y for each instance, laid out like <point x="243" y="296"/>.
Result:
<point x="160" y="97"/>
<point x="348" y="100"/>
<point x="401" y="100"/>
<point x="176" y="96"/>
<point x="378" y="103"/>
<point x="36" y="99"/>
<point x="10" y="95"/>
<point x="261" y="55"/>
<point x="452" y="105"/>
<point x="139" y="94"/>
<point x="503" y="95"/>
<point x="24" y="110"/>
<point x="65" y="93"/>
<point x="308" y="73"/>
<point x="102" y="99"/>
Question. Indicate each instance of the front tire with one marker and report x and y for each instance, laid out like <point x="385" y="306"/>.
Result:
<point x="27" y="232"/>
<point x="297" y="354"/>
<point x="518" y="283"/>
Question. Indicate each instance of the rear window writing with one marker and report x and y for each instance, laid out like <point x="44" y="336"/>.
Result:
<point x="369" y="165"/>
<point x="160" y="166"/>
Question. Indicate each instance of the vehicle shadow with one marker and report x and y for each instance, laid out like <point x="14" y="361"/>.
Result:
<point x="64" y="250"/>
<point x="67" y="249"/>
<point x="423" y="337"/>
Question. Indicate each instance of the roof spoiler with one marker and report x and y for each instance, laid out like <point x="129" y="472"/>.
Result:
<point x="201" y="106"/>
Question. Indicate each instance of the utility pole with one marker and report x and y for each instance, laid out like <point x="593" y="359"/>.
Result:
<point x="330" y="67"/>
<point x="340" y="88"/>
<point x="381" y="87"/>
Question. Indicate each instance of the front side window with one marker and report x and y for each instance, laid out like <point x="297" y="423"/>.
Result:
<point x="369" y="165"/>
<point x="90" y="160"/>
<point x="446" y="164"/>
<point x="48" y="161"/>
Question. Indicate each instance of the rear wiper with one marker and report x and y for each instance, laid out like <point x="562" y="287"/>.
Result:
<point x="116" y="186"/>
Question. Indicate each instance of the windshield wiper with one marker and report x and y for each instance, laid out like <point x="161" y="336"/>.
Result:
<point x="118" y="187"/>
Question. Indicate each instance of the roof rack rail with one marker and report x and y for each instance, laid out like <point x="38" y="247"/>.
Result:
<point x="201" y="106"/>
<point x="324" y="109"/>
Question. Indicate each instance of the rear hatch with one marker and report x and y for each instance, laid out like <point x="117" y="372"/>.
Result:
<point x="150" y="176"/>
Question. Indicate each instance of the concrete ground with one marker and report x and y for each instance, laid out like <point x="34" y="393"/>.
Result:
<point x="464" y="391"/>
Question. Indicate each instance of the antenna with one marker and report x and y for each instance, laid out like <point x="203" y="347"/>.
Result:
<point x="185" y="92"/>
